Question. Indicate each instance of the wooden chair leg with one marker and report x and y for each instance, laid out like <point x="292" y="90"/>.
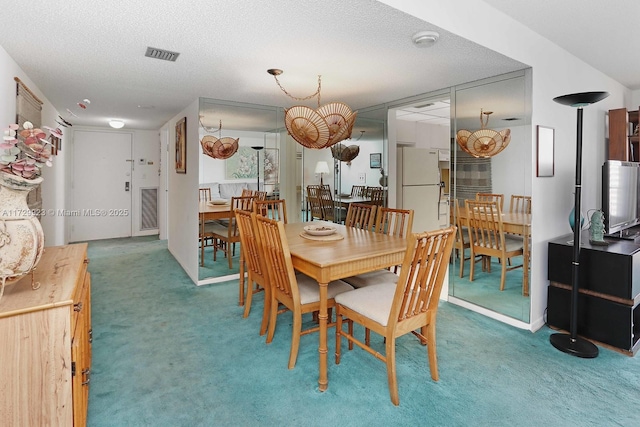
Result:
<point x="295" y="340"/>
<point x="431" y="350"/>
<point x="390" y="359"/>
<point x="338" y="336"/>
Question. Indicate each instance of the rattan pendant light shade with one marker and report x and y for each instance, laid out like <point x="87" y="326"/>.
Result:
<point x="320" y="128"/>
<point x="483" y="143"/>
<point x="345" y="154"/>
<point x="222" y="148"/>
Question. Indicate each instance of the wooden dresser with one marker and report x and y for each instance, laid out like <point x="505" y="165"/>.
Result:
<point x="45" y="342"/>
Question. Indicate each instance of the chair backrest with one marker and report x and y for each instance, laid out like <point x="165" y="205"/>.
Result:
<point x="247" y="192"/>
<point x="520" y="204"/>
<point x="249" y="246"/>
<point x="238" y="203"/>
<point x="377" y="196"/>
<point x="260" y="195"/>
<point x="455" y="220"/>
<point x="274" y="247"/>
<point x="274" y="209"/>
<point x="326" y="201"/>
<point x="484" y="221"/>
<point x="358" y="190"/>
<point x="361" y="215"/>
<point x="491" y="197"/>
<point x="204" y="194"/>
<point x="421" y="277"/>
<point x="313" y="198"/>
<point x="395" y="222"/>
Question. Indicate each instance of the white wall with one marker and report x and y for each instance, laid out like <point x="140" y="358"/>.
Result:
<point x="182" y="203"/>
<point x="53" y="188"/>
<point x="555" y="73"/>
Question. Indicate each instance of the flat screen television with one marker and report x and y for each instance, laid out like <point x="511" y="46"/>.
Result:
<point x="620" y="184"/>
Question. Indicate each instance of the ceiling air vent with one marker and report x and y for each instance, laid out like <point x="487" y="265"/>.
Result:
<point x="165" y="55"/>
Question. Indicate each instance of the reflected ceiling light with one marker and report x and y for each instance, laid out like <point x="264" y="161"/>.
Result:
<point x="218" y="148"/>
<point x="319" y="128"/>
<point x="345" y="154"/>
<point x="116" y="124"/>
<point x="483" y="143"/>
<point x="425" y="38"/>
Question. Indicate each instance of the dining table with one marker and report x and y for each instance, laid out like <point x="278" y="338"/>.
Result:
<point x="359" y="251"/>
<point x="208" y="211"/>
<point x="514" y="223"/>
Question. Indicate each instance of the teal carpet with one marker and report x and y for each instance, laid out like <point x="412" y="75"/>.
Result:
<point x="168" y="353"/>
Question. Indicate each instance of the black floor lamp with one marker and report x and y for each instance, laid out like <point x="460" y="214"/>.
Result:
<point x="258" y="148"/>
<point x="571" y="343"/>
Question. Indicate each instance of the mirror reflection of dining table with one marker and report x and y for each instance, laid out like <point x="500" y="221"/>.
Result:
<point x="360" y="251"/>
<point x="514" y="223"/>
<point x="209" y="211"/>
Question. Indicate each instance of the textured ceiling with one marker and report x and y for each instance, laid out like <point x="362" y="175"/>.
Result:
<point x="75" y="49"/>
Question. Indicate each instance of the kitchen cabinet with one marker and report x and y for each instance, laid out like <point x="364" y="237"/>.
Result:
<point x="45" y="361"/>
<point x="623" y="135"/>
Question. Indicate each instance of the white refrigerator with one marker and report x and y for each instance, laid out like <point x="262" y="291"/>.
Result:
<point x="419" y="186"/>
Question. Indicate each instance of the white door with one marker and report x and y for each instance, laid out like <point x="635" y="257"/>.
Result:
<point x="102" y="171"/>
<point x="423" y="199"/>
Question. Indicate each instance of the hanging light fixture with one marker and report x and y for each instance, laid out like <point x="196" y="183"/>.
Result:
<point x="218" y="148"/>
<point x="483" y="143"/>
<point x="319" y="128"/>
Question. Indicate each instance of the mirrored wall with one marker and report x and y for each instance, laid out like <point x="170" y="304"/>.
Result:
<point x="507" y="173"/>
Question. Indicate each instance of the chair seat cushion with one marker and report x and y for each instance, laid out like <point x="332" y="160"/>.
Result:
<point x="513" y="243"/>
<point x="373" y="278"/>
<point x="310" y="291"/>
<point x="373" y="301"/>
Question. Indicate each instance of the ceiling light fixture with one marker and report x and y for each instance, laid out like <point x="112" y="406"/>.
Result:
<point x="218" y="148"/>
<point x="319" y="128"/>
<point x="483" y="143"/>
<point x="116" y="124"/>
<point x="425" y="38"/>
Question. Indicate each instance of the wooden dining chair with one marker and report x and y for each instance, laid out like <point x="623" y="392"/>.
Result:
<point x="361" y="215"/>
<point x="394" y="222"/>
<point x="227" y="235"/>
<point x="377" y="196"/>
<point x="393" y="311"/>
<point x="314" y="203"/>
<point x="330" y="212"/>
<point x="358" y="190"/>
<point x="491" y="197"/>
<point x="487" y="238"/>
<point x="274" y="209"/>
<point x="520" y="204"/>
<point x="300" y="294"/>
<point x="259" y="195"/>
<point x="204" y="194"/>
<point x="256" y="270"/>
<point x="461" y="242"/>
<point x="246" y="192"/>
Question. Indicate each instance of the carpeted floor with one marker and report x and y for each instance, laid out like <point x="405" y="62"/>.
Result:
<point x="168" y="353"/>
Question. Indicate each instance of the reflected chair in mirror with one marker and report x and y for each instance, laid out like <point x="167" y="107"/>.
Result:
<point x="394" y="222"/>
<point x="299" y="293"/>
<point x="259" y="195"/>
<point x="314" y="203"/>
<point x="331" y="211"/>
<point x="520" y="204"/>
<point x="393" y="311"/>
<point x="361" y="215"/>
<point x="204" y="194"/>
<point x="227" y="235"/>
<point x="491" y="197"/>
<point x="377" y="196"/>
<point x="256" y="270"/>
<point x="487" y="237"/>
<point x="247" y="192"/>
<point x="461" y="243"/>
<point x="358" y="190"/>
<point x="274" y="209"/>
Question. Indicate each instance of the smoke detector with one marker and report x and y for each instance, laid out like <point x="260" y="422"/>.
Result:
<point x="425" y="38"/>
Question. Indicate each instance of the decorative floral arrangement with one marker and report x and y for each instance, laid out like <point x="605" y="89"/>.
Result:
<point x="27" y="157"/>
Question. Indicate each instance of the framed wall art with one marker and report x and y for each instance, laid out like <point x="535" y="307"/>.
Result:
<point x="181" y="145"/>
<point x="375" y="160"/>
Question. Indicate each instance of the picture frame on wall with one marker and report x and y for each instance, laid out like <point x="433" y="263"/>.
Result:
<point x="375" y="160"/>
<point x="181" y="145"/>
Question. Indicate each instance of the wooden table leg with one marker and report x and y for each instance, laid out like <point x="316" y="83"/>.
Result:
<point x="525" y="263"/>
<point x="202" y="240"/>
<point x="322" y="349"/>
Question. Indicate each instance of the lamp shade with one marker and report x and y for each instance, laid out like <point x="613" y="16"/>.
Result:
<point x="322" y="167"/>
